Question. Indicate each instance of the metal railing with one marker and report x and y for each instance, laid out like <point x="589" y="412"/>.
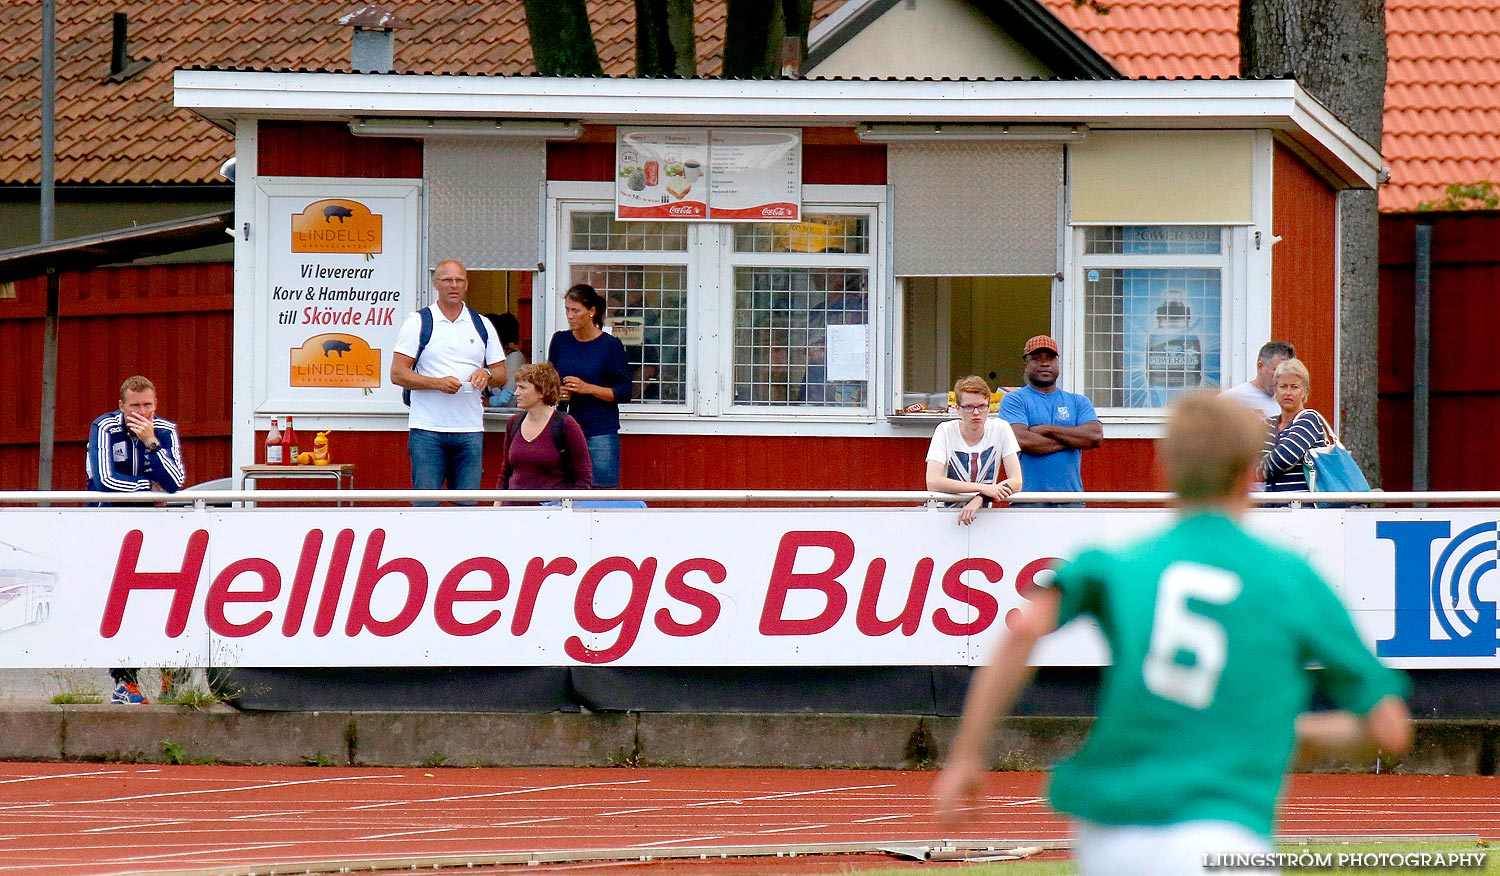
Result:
<point x="569" y="498"/>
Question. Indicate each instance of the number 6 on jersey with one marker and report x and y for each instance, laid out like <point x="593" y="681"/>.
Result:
<point x="1177" y="632"/>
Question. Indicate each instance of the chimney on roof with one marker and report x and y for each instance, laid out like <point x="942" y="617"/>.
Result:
<point x="373" y="49"/>
<point x="121" y="67"/>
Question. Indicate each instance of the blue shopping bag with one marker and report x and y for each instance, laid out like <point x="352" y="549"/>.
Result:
<point x="1331" y="468"/>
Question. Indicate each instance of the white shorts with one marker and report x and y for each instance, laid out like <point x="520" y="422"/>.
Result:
<point x="1162" y="850"/>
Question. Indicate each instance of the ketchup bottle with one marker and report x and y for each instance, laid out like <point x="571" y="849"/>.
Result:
<point x="289" y="444"/>
<point x="273" y="445"/>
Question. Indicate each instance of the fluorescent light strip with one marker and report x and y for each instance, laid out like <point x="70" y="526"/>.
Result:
<point x="919" y="132"/>
<point x="510" y="128"/>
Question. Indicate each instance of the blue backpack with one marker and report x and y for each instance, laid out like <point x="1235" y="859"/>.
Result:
<point x="425" y="314"/>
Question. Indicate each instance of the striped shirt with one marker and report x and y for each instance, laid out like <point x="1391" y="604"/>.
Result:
<point x="1286" y="450"/>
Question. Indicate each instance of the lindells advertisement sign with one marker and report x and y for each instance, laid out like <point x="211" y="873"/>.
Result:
<point x="339" y="276"/>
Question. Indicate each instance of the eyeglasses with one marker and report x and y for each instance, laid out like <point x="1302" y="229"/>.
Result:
<point x="974" y="409"/>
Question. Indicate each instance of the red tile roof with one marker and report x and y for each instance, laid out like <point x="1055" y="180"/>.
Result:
<point x="1442" y="99"/>
<point x="131" y="133"/>
<point x="1442" y="95"/>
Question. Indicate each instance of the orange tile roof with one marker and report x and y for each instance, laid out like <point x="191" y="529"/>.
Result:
<point x="1442" y="98"/>
<point x="131" y="133"/>
<point x="1442" y="95"/>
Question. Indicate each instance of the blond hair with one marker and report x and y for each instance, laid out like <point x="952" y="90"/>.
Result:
<point x="135" y="383"/>
<point x="1295" y="368"/>
<point x="972" y="383"/>
<point x="1210" y="443"/>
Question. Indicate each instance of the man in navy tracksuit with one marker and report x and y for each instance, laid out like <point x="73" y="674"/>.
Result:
<point x="133" y="450"/>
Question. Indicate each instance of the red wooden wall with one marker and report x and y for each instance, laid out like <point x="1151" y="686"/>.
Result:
<point x="1465" y="357"/>
<point x="170" y="323"/>
<point x="1304" y="282"/>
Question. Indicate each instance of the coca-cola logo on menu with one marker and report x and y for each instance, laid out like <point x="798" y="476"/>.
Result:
<point x="683" y="210"/>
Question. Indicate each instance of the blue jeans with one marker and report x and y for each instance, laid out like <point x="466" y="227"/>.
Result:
<point x="604" y="452"/>
<point x="455" y="457"/>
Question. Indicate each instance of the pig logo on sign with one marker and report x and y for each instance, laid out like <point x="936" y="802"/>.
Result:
<point x="334" y="345"/>
<point x="333" y="210"/>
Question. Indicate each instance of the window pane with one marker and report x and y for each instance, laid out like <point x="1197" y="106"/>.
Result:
<point x="817" y="232"/>
<point x="1152" y="240"/>
<point x="599" y="232"/>
<point x="1150" y="334"/>
<point x="646" y="308"/>
<point x="781" y="335"/>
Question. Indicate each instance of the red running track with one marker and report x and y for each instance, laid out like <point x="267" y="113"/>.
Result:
<point x="77" y="819"/>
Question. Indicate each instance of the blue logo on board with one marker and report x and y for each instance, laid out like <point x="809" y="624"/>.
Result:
<point x="1439" y="611"/>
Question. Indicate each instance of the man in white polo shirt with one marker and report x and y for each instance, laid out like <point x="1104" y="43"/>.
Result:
<point x="1257" y="394"/>
<point x="447" y="378"/>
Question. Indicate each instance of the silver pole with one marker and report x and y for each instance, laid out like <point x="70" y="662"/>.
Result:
<point x="1421" y="389"/>
<point x="49" y="223"/>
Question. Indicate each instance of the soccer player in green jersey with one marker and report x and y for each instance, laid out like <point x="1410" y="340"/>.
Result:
<point x="1212" y="633"/>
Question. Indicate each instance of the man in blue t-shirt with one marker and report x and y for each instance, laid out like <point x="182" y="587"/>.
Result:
<point x="1053" y="426"/>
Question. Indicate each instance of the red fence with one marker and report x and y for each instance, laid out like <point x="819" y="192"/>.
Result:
<point x="1465" y="354"/>
<point x="169" y="322"/>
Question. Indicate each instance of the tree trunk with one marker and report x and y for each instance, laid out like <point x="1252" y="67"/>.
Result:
<point x="654" y="55"/>
<point x="682" y="31"/>
<point x="561" y="41"/>
<point x="752" y="40"/>
<point x="1336" y="50"/>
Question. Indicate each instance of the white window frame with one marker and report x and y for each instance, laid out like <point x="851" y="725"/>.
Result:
<point x="1233" y="265"/>
<point x="710" y="262"/>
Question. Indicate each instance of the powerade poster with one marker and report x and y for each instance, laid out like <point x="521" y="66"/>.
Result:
<point x="1170" y="316"/>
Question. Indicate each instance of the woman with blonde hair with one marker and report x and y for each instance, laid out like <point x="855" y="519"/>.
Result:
<point x="1293" y="432"/>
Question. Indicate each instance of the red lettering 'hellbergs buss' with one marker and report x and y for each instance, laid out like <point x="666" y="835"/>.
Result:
<point x="330" y="590"/>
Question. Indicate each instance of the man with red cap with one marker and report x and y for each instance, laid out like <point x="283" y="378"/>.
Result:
<point x="1052" y="425"/>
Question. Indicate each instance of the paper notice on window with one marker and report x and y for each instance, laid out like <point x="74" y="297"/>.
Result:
<point x="848" y="352"/>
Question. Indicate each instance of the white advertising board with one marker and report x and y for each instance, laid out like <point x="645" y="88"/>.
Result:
<point x="654" y="587"/>
<point x="718" y="175"/>
<point x="338" y="272"/>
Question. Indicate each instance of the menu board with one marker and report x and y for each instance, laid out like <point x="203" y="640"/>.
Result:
<point x="698" y="174"/>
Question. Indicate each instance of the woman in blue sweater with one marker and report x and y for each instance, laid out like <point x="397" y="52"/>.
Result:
<point x="595" y="378"/>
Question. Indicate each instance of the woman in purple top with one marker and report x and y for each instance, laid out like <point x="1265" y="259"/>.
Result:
<point x="534" y="458"/>
<point x="595" y="377"/>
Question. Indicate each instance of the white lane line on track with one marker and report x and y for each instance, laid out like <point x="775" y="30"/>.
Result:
<point x="283" y="813"/>
<point x="136" y="797"/>
<point x="631" y="811"/>
<point x="376" y="836"/>
<point x="529" y="821"/>
<point x="882" y="818"/>
<point x="784" y="795"/>
<point x="133" y="826"/>
<point x="509" y="793"/>
<point x="1028" y="801"/>
<point x="61" y="776"/>
<point x="793" y="829"/>
<point x="678" y="841"/>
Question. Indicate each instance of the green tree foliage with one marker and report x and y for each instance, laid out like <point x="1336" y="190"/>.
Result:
<point x="1473" y="196"/>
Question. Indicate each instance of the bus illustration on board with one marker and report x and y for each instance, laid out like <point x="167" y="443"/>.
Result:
<point x="26" y="585"/>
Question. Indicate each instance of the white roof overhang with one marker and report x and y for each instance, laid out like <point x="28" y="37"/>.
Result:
<point x="1281" y="106"/>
